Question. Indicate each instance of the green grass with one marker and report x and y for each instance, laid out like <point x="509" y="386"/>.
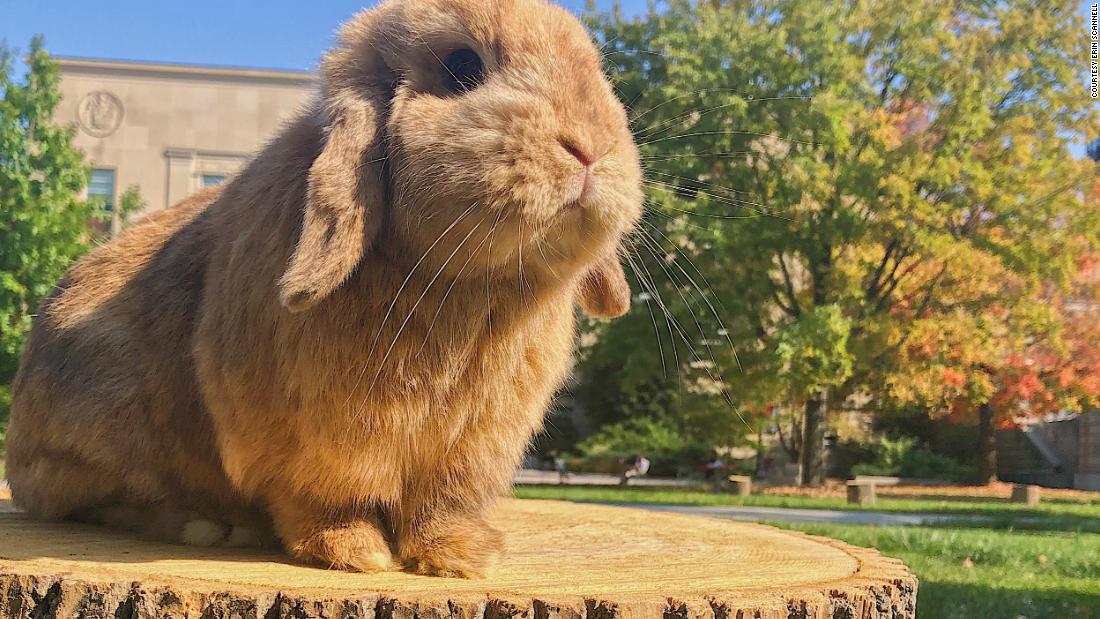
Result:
<point x="1036" y="562"/>
<point x="1051" y="514"/>
<point x="984" y="573"/>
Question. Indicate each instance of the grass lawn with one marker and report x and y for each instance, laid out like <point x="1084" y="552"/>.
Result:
<point x="1033" y="562"/>
<point x="988" y="573"/>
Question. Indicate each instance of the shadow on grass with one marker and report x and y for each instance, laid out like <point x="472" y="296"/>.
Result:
<point x="948" y="600"/>
<point x="962" y="498"/>
<point x="942" y="498"/>
<point x="1022" y="521"/>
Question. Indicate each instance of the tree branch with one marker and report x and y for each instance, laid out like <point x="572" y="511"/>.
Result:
<point x="790" y="286"/>
<point x="876" y="280"/>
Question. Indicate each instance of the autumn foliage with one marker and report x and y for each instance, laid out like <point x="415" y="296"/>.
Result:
<point x="874" y="202"/>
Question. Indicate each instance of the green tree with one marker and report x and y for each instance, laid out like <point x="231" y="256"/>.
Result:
<point x="43" y="222"/>
<point x="889" y="164"/>
<point x="130" y="203"/>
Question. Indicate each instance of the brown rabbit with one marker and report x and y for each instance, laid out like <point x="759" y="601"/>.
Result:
<point x="355" y="341"/>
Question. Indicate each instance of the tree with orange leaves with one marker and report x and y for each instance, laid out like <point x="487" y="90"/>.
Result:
<point x="1033" y="351"/>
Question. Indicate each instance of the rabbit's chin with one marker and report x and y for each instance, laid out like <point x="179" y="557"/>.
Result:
<point x="465" y="239"/>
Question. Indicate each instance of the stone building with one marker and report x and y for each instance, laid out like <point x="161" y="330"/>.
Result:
<point x="168" y="129"/>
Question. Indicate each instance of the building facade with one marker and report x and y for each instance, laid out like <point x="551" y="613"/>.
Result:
<point x="1058" y="451"/>
<point x="168" y="130"/>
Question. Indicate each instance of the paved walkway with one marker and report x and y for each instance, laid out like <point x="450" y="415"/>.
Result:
<point x="787" y="514"/>
<point x="532" y="476"/>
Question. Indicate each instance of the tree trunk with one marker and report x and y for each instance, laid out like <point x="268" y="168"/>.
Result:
<point x="813" y="440"/>
<point x="987" y="444"/>
<point x="759" y="472"/>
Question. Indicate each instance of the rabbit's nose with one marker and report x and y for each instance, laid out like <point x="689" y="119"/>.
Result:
<point x="586" y="179"/>
<point x="580" y="155"/>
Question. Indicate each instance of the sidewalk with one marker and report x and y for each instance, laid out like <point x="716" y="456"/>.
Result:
<point x="743" y="513"/>
<point x="787" y="514"/>
<point x="533" y="476"/>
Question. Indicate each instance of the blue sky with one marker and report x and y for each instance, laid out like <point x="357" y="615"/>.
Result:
<point x="281" y="34"/>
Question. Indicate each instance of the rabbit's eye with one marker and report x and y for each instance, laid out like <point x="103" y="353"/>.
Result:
<point x="462" y="71"/>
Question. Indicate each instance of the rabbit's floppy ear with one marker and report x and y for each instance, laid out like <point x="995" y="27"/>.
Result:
<point x="604" y="292"/>
<point x="346" y="193"/>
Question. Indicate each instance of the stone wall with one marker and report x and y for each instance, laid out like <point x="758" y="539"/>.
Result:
<point x="171" y="129"/>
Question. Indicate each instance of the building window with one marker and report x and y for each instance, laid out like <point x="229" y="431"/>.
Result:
<point x="212" y="180"/>
<point x="102" y="185"/>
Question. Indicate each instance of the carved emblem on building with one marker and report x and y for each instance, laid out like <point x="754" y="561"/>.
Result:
<point x="99" y="113"/>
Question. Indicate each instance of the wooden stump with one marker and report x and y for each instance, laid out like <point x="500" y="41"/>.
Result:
<point x="563" y="560"/>
<point x="1025" y="494"/>
<point x="740" y="485"/>
<point x="861" y="493"/>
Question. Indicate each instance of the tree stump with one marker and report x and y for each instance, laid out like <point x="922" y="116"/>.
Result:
<point x="740" y="485"/>
<point x="563" y="561"/>
<point x="861" y="493"/>
<point x="1025" y="494"/>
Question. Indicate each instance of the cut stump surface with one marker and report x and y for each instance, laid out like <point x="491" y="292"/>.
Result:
<point x="563" y="560"/>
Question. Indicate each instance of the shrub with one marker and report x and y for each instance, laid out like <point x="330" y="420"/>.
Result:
<point x="905" y="458"/>
<point x="664" y="444"/>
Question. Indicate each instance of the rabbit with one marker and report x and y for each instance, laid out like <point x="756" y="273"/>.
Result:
<point x="347" y="349"/>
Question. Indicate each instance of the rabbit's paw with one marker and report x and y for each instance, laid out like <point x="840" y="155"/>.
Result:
<point x="358" y="546"/>
<point x="462" y="549"/>
<point x="203" y="533"/>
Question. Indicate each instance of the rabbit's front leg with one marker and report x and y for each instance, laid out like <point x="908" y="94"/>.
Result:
<point x="441" y="526"/>
<point x="448" y="542"/>
<point x="353" y="541"/>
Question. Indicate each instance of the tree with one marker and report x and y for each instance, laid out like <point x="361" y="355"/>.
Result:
<point x="897" y="166"/>
<point x="130" y="203"/>
<point x="1001" y="367"/>
<point x="43" y="223"/>
<point x="111" y="222"/>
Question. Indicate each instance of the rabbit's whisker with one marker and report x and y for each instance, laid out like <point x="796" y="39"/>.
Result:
<point x="674" y="189"/>
<point x="747" y="98"/>
<point x="367" y="163"/>
<point x="416" y="304"/>
<point x="737" y="154"/>
<point x="652" y="316"/>
<point x="714" y="374"/>
<point x="523" y="283"/>
<point x="696" y="114"/>
<point x="654" y="208"/>
<point x="488" y="295"/>
<point x="648" y="283"/>
<point x="397" y="298"/>
<point x="714" y="187"/>
<point x="519" y="264"/>
<point x="729" y="132"/>
<point x="702" y="294"/>
<point x="454" y="282"/>
<point x="545" y="260"/>
<point x="743" y="204"/>
<point x="660" y="262"/>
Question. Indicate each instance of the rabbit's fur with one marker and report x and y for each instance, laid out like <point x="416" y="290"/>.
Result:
<point x="355" y="340"/>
